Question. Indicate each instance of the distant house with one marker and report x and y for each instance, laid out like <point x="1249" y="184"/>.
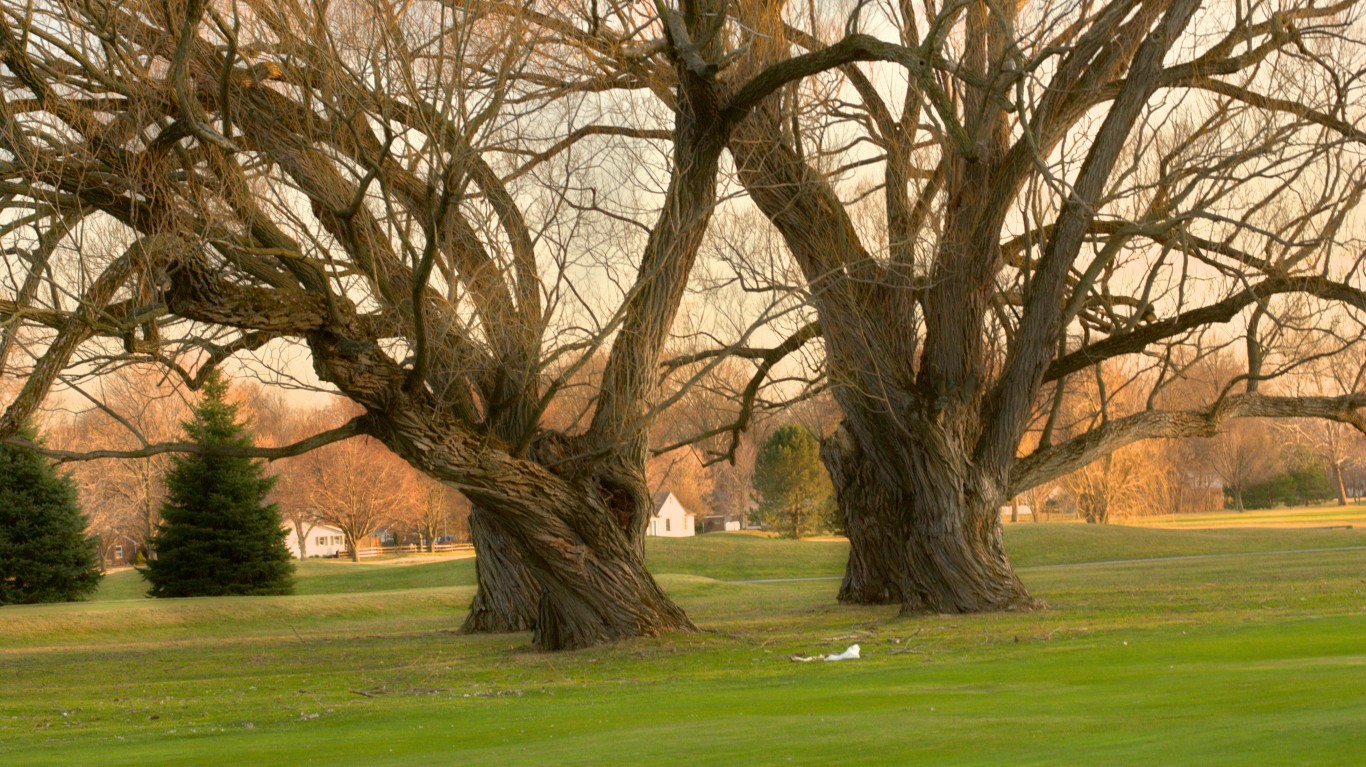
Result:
<point x="121" y="552"/>
<point x="320" y="541"/>
<point x="716" y="523"/>
<point x="669" y="519"/>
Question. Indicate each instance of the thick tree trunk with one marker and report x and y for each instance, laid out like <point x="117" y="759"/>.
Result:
<point x="590" y="560"/>
<point x="574" y="510"/>
<point x="591" y="571"/>
<point x="929" y="525"/>
<point x="610" y="603"/>
<point x="584" y="555"/>
<point x="958" y="562"/>
<point x="507" y="596"/>
<point x="579" y="530"/>
<point x="872" y="517"/>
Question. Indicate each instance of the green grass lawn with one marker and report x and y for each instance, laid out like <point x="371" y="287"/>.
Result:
<point x="1326" y="515"/>
<point x="1256" y="655"/>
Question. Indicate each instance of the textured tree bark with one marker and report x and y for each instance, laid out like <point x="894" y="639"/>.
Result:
<point x="584" y="551"/>
<point x="507" y="596"/>
<point x="613" y="600"/>
<point x="600" y="590"/>
<point x="578" y="529"/>
<point x="877" y="563"/>
<point x="929" y="530"/>
<point x="957" y="562"/>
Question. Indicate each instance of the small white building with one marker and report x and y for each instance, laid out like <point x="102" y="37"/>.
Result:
<point x="320" y="541"/>
<point x="670" y="519"/>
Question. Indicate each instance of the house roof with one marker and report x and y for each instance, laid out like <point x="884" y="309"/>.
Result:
<point x="316" y="529"/>
<point x="658" y="499"/>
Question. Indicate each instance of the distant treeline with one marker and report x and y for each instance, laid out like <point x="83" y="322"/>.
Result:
<point x="1303" y="482"/>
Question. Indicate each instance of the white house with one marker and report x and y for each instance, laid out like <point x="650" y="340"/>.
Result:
<point x="670" y="519"/>
<point x="321" y="541"/>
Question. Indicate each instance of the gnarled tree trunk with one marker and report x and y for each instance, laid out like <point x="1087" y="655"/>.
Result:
<point x="877" y="563"/>
<point x="507" y="596"/>
<point x="957" y="562"/>
<point x="582" y="542"/>
<point x="929" y="522"/>
<point x="577" y="529"/>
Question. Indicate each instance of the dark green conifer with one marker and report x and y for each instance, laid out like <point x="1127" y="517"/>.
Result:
<point x="795" y="494"/>
<point x="45" y="554"/>
<point x="218" y="535"/>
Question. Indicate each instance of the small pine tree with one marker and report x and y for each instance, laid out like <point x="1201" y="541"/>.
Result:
<point x="45" y="555"/>
<point x="218" y="535"/>
<point x="795" y="494"/>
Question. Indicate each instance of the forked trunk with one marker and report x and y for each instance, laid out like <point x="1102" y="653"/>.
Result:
<point x="507" y="596"/>
<point x="302" y="535"/>
<point x="872" y="518"/>
<point x="578" y="529"/>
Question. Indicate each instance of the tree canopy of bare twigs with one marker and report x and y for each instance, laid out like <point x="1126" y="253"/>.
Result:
<point x="998" y="198"/>
<point x="449" y="207"/>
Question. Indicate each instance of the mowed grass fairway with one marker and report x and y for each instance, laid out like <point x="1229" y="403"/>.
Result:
<point x="1203" y="647"/>
<point x="1327" y="515"/>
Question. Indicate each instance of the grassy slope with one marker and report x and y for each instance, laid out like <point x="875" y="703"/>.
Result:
<point x="1327" y="515"/>
<point x="1228" y="660"/>
<point x="730" y="557"/>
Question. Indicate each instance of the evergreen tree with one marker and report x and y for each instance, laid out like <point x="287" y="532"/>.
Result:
<point x="218" y="535"/>
<point x="795" y="494"/>
<point x="45" y="555"/>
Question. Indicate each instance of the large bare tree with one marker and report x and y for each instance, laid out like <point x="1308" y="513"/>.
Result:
<point x="1054" y="185"/>
<point x="326" y="174"/>
<point x="451" y="207"/>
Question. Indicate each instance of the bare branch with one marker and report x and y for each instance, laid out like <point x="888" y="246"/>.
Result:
<point x="350" y="429"/>
<point x="1053" y="462"/>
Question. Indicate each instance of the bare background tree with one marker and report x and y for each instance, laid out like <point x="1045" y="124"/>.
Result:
<point x="138" y="406"/>
<point x="435" y="512"/>
<point x="1338" y="445"/>
<point x="1245" y="454"/>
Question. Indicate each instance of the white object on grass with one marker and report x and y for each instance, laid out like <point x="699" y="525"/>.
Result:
<point x="849" y="654"/>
